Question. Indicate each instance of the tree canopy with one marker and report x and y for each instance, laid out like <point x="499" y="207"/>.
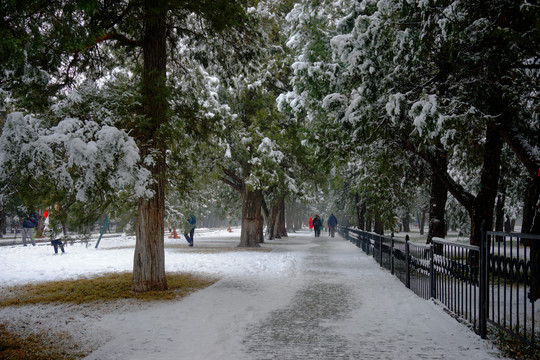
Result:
<point x="386" y="107"/>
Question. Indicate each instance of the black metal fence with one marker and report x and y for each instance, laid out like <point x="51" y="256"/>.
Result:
<point x="492" y="284"/>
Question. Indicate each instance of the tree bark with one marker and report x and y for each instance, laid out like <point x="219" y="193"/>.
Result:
<point x="422" y="222"/>
<point x="271" y="222"/>
<point x="360" y="212"/>
<point x="437" y="207"/>
<point x="499" y="212"/>
<point x="484" y="202"/>
<point x="252" y="221"/>
<point x="480" y="208"/>
<point x="531" y="210"/>
<point x="368" y="224"/>
<point x="276" y="222"/>
<point x="406" y="222"/>
<point x="290" y="217"/>
<point x="379" y="227"/>
<point x="3" y="223"/>
<point x="149" y="258"/>
<point x="281" y="228"/>
<point x="437" y="211"/>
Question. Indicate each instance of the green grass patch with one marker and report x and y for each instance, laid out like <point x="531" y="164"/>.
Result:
<point x="109" y="287"/>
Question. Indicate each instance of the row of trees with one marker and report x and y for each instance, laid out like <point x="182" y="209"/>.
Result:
<point x="144" y="108"/>
<point x="425" y="93"/>
<point x="437" y="92"/>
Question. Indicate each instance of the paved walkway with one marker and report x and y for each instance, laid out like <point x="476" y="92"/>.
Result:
<point x="338" y="305"/>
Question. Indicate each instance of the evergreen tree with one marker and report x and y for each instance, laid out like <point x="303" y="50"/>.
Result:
<point x="74" y="38"/>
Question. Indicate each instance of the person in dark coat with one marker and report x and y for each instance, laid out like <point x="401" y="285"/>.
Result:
<point x="332" y="224"/>
<point x="29" y="225"/>
<point x="189" y="229"/>
<point x="317" y="226"/>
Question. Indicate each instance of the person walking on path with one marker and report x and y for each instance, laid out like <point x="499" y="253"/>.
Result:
<point x="332" y="224"/>
<point x="189" y="229"/>
<point x="29" y="224"/>
<point x="317" y="225"/>
<point x="310" y="223"/>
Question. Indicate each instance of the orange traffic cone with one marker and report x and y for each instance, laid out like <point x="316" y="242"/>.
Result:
<point x="174" y="235"/>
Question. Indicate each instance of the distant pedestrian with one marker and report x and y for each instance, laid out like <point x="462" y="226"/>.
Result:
<point x="332" y="224"/>
<point x="189" y="229"/>
<point x="29" y="226"/>
<point x="310" y="223"/>
<point x="317" y="225"/>
<point x="57" y="243"/>
<point x="55" y="228"/>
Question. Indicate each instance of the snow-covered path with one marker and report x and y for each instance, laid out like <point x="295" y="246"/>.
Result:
<point x="333" y="302"/>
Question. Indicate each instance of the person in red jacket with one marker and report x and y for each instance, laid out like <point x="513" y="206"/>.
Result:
<point x="310" y="223"/>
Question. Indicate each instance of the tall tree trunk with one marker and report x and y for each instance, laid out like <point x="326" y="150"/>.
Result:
<point x="379" y="228"/>
<point x="281" y="228"/>
<point x="290" y="217"/>
<point x="484" y="202"/>
<point x="437" y="211"/>
<point x="271" y="222"/>
<point x="252" y="221"/>
<point x="531" y="208"/>
<point x="3" y="223"/>
<point x="276" y="223"/>
<point x="149" y="258"/>
<point x="422" y="222"/>
<point x="528" y="155"/>
<point x="531" y="225"/>
<point x="407" y="221"/>
<point x="499" y="212"/>
<point x="360" y="211"/>
<point x="437" y="208"/>
<point x="480" y="208"/>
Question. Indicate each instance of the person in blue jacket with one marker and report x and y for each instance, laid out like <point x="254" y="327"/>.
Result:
<point x="189" y="229"/>
<point x="332" y="224"/>
<point x="29" y="224"/>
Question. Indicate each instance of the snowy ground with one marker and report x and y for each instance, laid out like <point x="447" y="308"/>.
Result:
<point x="306" y="299"/>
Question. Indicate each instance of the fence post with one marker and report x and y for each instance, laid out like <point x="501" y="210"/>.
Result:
<point x="483" y="303"/>
<point x="392" y="254"/>
<point x="103" y="230"/>
<point x="407" y="261"/>
<point x="380" y="250"/>
<point x="432" y="275"/>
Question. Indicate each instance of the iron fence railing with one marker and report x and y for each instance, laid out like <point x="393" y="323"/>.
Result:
<point x="495" y="284"/>
<point x="512" y="278"/>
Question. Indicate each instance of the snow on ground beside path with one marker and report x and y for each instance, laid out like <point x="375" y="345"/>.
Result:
<point x="261" y="294"/>
<point x="20" y="265"/>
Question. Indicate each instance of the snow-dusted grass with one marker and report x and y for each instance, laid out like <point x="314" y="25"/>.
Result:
<point x="108" y="287"/>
